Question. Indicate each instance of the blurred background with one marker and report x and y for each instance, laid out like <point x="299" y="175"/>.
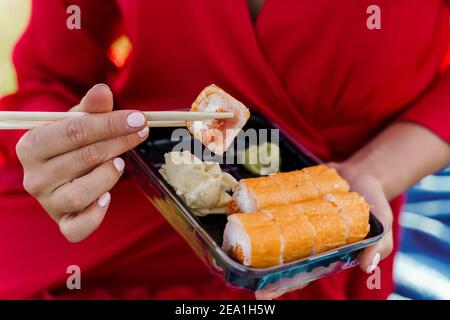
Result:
<point x="13" y="18"/>
<point x="422" y="267"/>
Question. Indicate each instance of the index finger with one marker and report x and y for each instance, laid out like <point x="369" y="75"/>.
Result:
<point x="72" y="133"/>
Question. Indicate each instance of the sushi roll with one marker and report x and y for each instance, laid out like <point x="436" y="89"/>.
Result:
<point x="273" y="237"/>
<point x="330" y="231"/>
<point x="345" y="199"/>
<point x="217" y="134"/>
<point x="311" y="183"/>
<point x="296" y="231"/>
<point x="318" y="207"/>
<point x="355" y="212"/>
<point x="326" y="179"/>
<point x="253" y="239"/>
<point x="296" y="185"/>
<point x="253" y="194"/>
<point x="290" y="232"/>
<point x="320" y="222"/>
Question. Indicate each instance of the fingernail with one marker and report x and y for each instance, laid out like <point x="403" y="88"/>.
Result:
<point x="144" y="132"/>
<point x="104" y="199"/>
<point x="101" y="85"/>
<point x="376" y="260"/>
<point x="136" y="119"/>
<point x="119" y="164"/>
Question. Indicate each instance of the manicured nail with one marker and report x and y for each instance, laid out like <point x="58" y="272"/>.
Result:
<point x="144" y="132"/>
<point x="136" y="119"/>
<point x="119" y="164"/>
<point x="101" y="85"/>
<point x="104" y="199"/>
<point x="376" y="260"/>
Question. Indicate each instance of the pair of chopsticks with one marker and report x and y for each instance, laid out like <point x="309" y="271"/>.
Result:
<point x="12" y="120"/>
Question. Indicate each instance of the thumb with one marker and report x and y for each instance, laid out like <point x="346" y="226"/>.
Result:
<point x="97" y="100"/>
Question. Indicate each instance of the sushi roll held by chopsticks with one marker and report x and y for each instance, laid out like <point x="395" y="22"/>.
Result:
<point x="217" y="134"/>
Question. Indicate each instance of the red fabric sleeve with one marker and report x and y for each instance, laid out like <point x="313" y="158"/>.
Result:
<point x="55" y="66"/>
<point x="432" y="110"/>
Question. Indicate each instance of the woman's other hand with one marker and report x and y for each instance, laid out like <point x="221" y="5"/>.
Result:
<point x="372" y="190"/>
<point x="369" y="187"/>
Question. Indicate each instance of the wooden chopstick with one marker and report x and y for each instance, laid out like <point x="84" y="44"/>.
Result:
<point x="26" y="125"/>
<point x="151" y="115"/>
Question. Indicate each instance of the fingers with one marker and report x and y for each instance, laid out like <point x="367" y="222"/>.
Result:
<point x="97" y="100"/>
<point x="47" y="141"/>
<point x="373" y="192"/>
<point x="84" y="159"/>
<point x="371" y="256"/>
<point x="77" y="227"/>
<point x="80" y="193"/>
<point x="67" y="164"/>
<point x="65" y="135"/>
<point x="375" y="197"/>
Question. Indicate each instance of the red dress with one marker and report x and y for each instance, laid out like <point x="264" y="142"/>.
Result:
<point x="312" y="66"/>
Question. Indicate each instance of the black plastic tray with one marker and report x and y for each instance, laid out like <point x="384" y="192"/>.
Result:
<point x="205" y="234"/>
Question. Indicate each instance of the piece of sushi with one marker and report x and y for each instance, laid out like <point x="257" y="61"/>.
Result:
<point x="355" y="212"/>
<point x="345" y="199"/>
<point x="218" y="134"/>
<point x="357" y="219"/>
<point x="296" y="185"/>
<point x="289" y="232"/>
<point x="253" y="239"/>
<point x="330" y="231"/>
<point x="296" y="231"/>
<point x="270" y="238"/>
<point x="326" y="179"/>
<point x="255" y="194"/>
<point x="318" y="207"/>
<point x="320" y="222"/>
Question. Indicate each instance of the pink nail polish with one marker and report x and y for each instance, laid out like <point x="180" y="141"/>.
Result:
<point x="144" y="132"/>
<point x="136" y="119"/>
<point x="119" y="164"/>
<point x="104" y="200"/>
<point x="101" y="85"/>
<point x="375" y="262"/>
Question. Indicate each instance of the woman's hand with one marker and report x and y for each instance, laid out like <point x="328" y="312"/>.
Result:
<point x="369" y="187"/>
<point x="372" y="190"/>
<point x="381" y="170"/>
<point x="71" y="165"/>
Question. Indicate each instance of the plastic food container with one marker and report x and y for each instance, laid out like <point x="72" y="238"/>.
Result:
<point x="204" y="234"/>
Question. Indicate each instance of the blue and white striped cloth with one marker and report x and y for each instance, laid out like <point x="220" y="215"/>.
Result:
<point x="422" y="267"/>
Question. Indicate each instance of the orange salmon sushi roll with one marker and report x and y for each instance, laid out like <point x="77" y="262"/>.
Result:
<point x="357" y="220"/>
<point x="217" y="134"/>
<point x="326" y="179"/>
<point x="330" y="231"/>
<point x="253" y="239"/>
<point x="345" y="199"/>
<point x="355" y="212"/>
<point x="296" y="231"/>
<point x="311" y="183"/>
<point x="318" y="207"/>
<point x="253" y="194"/>
<point x="296" y="185"/>
<point x="291" y="209"/>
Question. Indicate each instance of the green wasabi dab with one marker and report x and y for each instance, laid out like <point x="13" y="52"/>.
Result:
<point x="263" y="159"/>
